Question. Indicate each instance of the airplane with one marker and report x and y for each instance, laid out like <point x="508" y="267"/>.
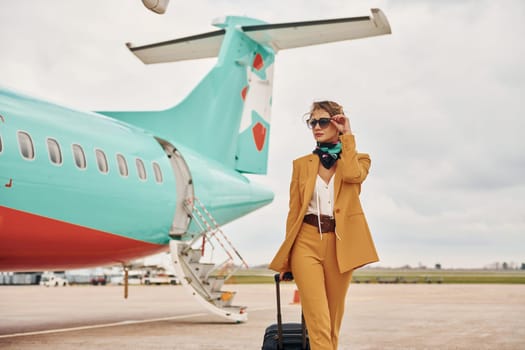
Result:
<point x="82" y="189"/>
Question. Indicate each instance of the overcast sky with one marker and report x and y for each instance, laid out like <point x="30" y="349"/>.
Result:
<point x="438" y="105"/>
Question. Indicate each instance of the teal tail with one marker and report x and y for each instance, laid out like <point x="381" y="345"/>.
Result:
<point x="226" y="117"/>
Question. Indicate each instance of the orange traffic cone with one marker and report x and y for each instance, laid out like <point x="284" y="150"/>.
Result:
<point x="296" y="297"/>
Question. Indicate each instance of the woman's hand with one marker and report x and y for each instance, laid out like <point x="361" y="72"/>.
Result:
<point x="285" y="276"/>
<point x="342" y="123"/>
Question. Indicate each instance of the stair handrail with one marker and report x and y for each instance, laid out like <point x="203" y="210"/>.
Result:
<point x="201" y="222"/>
<point x="217" y="227"/>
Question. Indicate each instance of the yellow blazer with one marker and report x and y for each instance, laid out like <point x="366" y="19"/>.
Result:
<point x="355" y="247"/>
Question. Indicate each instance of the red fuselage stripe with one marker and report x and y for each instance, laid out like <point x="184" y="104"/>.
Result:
<point x="29" y="242"/>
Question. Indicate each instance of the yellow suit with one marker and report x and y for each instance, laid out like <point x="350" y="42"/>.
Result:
<point x="355" y="247"/>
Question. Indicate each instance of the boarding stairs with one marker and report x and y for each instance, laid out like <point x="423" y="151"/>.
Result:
<point x="199" y="275"/>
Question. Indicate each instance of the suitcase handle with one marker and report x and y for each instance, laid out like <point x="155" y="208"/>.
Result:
<point x="288" y="276"/>
<point x="277" y="277"/>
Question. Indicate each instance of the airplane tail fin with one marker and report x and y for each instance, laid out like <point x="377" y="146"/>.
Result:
<point x="227" y="115"/>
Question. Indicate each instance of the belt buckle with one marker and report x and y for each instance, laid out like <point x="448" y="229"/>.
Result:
<point x="326" y="224"/>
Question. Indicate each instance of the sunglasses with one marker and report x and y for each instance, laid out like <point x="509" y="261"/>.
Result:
<point x="323" y="122"/>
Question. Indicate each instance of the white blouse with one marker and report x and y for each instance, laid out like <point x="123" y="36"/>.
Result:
<point x="324" y="196"/>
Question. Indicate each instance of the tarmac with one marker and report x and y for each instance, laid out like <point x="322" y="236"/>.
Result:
<point x="378" y="316"/>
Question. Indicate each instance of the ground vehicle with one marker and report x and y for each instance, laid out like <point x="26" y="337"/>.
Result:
<point x="96" y="280"/>
<point x="53" y="281"/>
<point x="134" y="277"/>
<point x="161" y="279"/>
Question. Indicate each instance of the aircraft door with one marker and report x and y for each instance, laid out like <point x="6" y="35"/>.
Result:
<point x="182" y="218"/>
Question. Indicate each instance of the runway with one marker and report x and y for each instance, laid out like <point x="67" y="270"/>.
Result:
<point x="378" y="316"/>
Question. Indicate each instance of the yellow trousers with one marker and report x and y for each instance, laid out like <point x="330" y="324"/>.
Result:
<point x="321" y="287"/>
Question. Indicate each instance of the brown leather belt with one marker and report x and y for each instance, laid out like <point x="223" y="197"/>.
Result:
<point x="327" y="222"/>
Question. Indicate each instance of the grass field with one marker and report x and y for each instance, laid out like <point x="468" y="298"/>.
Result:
<point x="381" y="275"/>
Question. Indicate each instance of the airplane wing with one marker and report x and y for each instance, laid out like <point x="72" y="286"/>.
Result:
<point x="290" y="35"/>
<point x="192" y="47"/>
<point x="278" y="36"/>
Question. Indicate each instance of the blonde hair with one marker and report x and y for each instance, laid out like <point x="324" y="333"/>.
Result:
<point x="331" y="107"/>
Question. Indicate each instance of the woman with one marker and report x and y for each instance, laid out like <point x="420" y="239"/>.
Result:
<point x="327" y="235"/>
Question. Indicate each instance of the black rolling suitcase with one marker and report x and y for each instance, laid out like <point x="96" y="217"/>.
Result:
<point x="287" y="336"/>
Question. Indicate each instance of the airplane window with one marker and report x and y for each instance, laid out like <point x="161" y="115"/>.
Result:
<point x="102" y="161"/>
<point x="157" y="171"/>
<point x="26" y="145"/>
<point x="80" y="158"/>
<point x="141" y="169"/>
<point x="122" y="165"/>
<point x="53" y="148"/>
